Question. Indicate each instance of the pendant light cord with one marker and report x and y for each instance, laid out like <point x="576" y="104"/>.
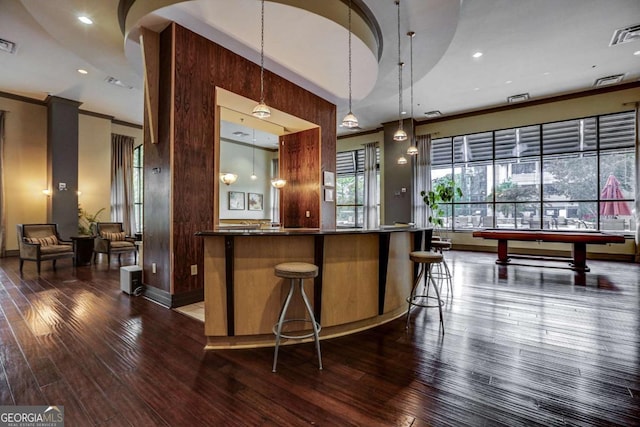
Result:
<point x="262" y="55"/>
<point x="411" y="34"/>
<point x="400" y="65"/>
<point x="349" y="56"/>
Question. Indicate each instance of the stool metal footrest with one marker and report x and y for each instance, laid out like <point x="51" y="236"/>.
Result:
<point x="297" y="337"/>
<point x="415" y="301"/>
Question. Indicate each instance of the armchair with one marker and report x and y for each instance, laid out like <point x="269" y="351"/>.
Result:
<point x="41" y="242"/>
<point x="110" y="239"/>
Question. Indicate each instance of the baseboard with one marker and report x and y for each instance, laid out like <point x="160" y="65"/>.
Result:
<point x="165" y="299"/>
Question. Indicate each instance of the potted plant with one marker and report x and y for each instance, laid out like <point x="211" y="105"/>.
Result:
<point x="85" y="219"/>
<point x="443" y="192"/>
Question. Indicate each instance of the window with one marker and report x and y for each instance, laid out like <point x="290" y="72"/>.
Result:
<point x="571" y="175"/>
<point x="350" y="188"/>
<point x="138" y="186"/>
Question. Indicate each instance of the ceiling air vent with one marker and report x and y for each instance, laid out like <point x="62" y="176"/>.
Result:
<point x="432" y="114"/>
<point x="7" y="46"/>
<point x="625" y="35"/>
<point x="518" y="98"/>
<point x="604" y="81"/>
<point x="240" y="134"/>
<point x="116" y="82"/>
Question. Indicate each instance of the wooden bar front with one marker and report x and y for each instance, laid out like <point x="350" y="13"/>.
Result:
<point x="359" y="286"/>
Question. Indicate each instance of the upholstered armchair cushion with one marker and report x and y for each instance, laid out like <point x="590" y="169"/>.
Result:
<point x="112" y="239"/>
<point x="41" y="242"/>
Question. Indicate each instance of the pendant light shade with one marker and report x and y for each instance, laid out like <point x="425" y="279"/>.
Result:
<point x="350" y="120"/>
<point x="412" y="150"/>
<point x="261" y="110"/>
<point x="402" y="160"/>
<point x="400" y="134"/>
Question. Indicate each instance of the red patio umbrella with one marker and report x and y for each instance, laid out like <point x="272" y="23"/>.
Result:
<point x="612" y="191"/>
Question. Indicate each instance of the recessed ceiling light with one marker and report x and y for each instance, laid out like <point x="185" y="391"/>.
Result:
<point x="81" y="71"/>
<point x="85" y="20"/>
<point x="477" y="55"/>
<point x="476" y="89"/>
<point x="546" y="73"/>
<point x="508" y="82"/>
<point x="518" y="98"/>
<point x="434" y="113"/>
<point x="637" y="53"/>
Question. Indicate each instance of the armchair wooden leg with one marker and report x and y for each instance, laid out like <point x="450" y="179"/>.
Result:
<point x="54" y="265"/>
<point x="21" y="264"/>
<point x="38" y="262"/>
<point x="119" y="261"/>
<point x="94" y="257"/>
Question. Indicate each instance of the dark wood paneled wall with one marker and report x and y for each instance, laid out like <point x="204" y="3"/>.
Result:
<point x="300" y="166"/>
<point x="180" y="199"/>
<point x="157" y="178"/>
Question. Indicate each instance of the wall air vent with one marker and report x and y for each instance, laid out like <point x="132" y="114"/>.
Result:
<point x="609" y="80"/>
<point x="432" y="114"/>
<point x="518" y="98"/>
<point x="240" y="134"/>
<point x="116" y="82"/>
<point x="625" y="35"/>
<point x="7" y="46"/>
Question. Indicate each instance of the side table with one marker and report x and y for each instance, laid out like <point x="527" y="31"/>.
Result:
<point x="83" y="249"/>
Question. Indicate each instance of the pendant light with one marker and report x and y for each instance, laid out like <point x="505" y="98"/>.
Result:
<point x="261" y="110"/>
<point x="253" y="158"/>
<point x="400" y="134"/>
<point x="412" y="150"/>
<point x="350" y="120"/>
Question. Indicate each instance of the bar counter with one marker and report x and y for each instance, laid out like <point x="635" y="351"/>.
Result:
<point x="363" y="280"/>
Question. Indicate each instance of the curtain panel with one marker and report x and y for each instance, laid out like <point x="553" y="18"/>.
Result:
<point x="421" y="180"/>
<point x="122" y="181"/>
<point x="371" y="218"/>
<point x="636" y="210"/>
<point x="3" y="210"/>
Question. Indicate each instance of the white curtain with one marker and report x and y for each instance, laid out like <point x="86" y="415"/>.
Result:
<point x="122" y="182"/>
<point x="371" y="219"/>
<point x="421" y="180"/>
<point x="3" y="234"/>
<point x="637" y="198"/>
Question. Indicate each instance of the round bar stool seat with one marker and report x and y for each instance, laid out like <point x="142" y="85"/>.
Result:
<point x="296" y="272"/>
<point x="443" y="273"/>
<point x="425" y="260"/>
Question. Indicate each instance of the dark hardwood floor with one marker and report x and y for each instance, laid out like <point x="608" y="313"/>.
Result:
<point x="523" y="346"/>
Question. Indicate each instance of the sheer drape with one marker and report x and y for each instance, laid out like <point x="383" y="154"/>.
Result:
<point x="122" y="181"/>
<point x="421" y="180"/>
<point x="637" y="195"/>
<point x="3" y="234"/>
<point x="370" y="204"/>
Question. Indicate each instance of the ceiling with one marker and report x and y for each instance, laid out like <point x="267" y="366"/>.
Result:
<point x="542" y="48"/>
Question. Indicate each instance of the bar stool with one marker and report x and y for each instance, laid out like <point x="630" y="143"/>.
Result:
<point x="296" y="272"/>
<point x="439" y="246"/>
<point x="425" y="259"/>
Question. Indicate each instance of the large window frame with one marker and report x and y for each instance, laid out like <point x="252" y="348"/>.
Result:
<point x="518" y="171"/>
<point x="138" y="186"/>
<point x="350" y="173"/>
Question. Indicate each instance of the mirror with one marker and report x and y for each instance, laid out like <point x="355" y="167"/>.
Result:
<point x="248" y="201"/>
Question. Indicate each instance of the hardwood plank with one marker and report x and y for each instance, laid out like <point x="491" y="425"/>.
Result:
<point x="524" y="347"/>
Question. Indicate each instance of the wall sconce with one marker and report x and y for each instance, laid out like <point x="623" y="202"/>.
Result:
<point x="46" y="192"/>
<point x="278" y="182"/>
<point x="228" y="178"/>
<point x="78" y="192"/>
<point x="62" y="186"/>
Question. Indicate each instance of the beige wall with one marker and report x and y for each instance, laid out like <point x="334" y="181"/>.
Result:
<point x="26" y="163"/>
<point x="585" y="106"/>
